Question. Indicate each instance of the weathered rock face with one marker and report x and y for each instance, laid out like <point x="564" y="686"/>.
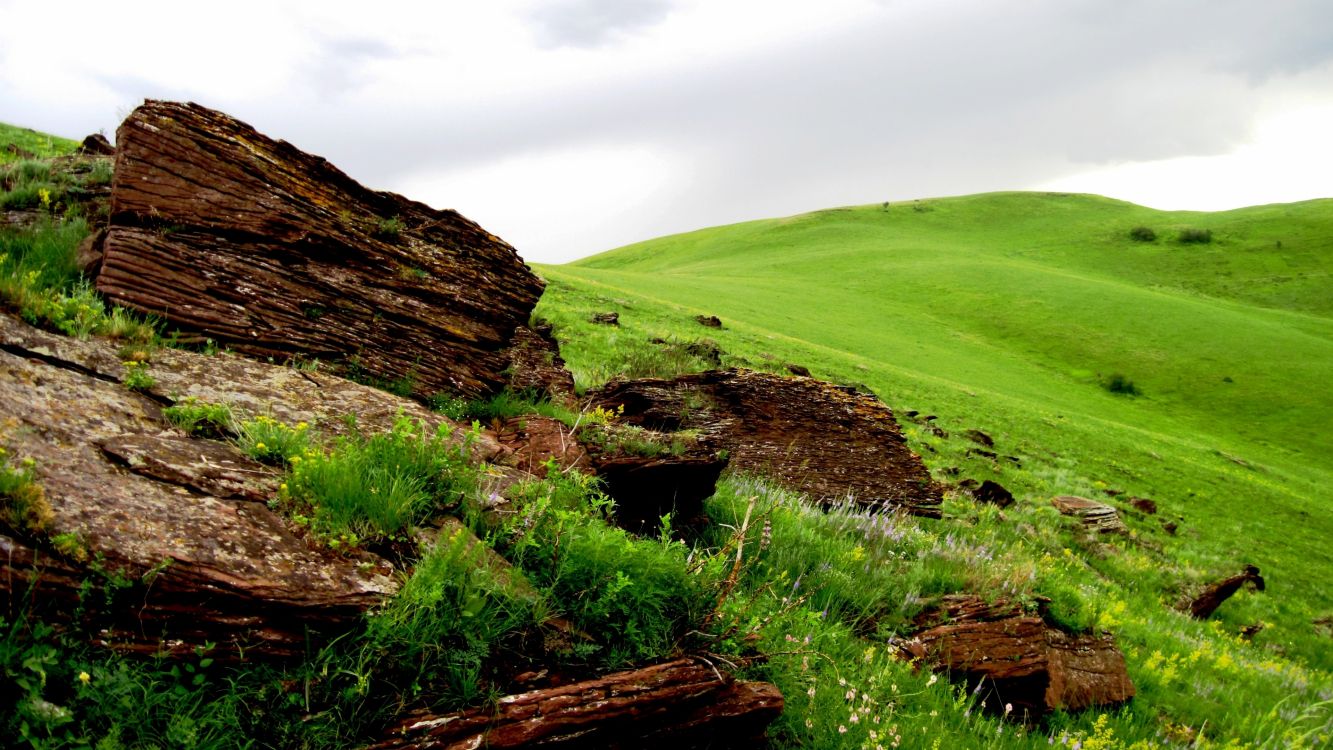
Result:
<point x="822" y="439"/>
<point x="678" y="705"/>
<point x="535" y="364"/>
<point x="274" y="252"/>
<point x="181" y="522"/>
<point x="1019" y="659"/>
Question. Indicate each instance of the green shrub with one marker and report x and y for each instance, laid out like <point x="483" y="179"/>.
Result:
<point x="369" y="488"/>
<point x="388" y="229"/>
<point x="269" y="441"/>
<point x="503" y="406"/>
<point x="137" y="377"/>
<point x="1142" y="234"/>
<point x="1196" y="236"/>
<point x="1118" y="383"/>
<point x="200" y="418"/>
<point x="23" y="504"/>
<point x="637" y="598"/>
<point x="449" y="620"/>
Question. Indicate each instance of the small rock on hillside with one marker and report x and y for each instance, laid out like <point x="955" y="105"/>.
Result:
<point x="1098" y="517"/>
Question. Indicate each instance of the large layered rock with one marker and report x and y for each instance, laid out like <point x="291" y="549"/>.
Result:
<point x="826" y="440"/>
<point x="1018" y="660"/>
<point x="677" y="705"/>
<point x="273" y="252"/>
<point x="174" y="530"/>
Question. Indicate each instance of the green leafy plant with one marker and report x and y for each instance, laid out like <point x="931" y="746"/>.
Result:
<point x="267" y="440"/>
<point x="1195" y="236"/>
<point x="388" y="228"/>
<point x="23" y="503"/>
<point x="377" y="486"/>
<point x="137" y="377"/>
<point x="201" y="418"/>
<point x="1118" y="383"/>
<point x="1142" y="234"/>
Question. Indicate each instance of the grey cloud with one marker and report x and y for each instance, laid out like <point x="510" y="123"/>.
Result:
<point x="591" y="23"/>
<point x="337" y="65"/>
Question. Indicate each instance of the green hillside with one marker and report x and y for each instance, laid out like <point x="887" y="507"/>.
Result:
<point x="40" y="145"/>
<point x="1010" y="313"/>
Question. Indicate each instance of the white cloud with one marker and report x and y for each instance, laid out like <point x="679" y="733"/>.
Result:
<point x="572" y="127"/>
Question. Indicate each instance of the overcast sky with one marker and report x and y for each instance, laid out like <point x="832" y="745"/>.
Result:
<point x="570" y="127"/>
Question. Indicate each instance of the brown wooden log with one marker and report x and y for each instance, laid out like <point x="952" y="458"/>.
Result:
<point x="680" y="704"/>
<point x="273" y="252"/>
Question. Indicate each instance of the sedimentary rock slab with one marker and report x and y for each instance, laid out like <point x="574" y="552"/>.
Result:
<point x="176" y="526"/>
<point x="1020" y="660"/>
<point x="273" y="252"/>
<point x="826" y="440"/>
<point x="678" y="705"/>
<point x="1098" y="517"/>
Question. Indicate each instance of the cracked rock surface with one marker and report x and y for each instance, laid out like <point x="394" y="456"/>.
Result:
<point x="177" y="525"/>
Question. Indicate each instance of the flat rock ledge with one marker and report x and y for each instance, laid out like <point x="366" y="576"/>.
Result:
<point x="174" y="530"/>
<point x="273" y="252"/>
<point x="1018" y="660"/>
<point x="678" y="705"/>
<point x="828" y="441"/>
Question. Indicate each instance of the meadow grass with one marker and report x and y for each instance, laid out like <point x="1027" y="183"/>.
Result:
<point x="1013" y="313"/>
<point x="1006" y="313"/>
<point x="41" y="145"/>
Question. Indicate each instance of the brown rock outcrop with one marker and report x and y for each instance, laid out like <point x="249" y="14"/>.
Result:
<point x="1018" y="659"/>
<point x="677" y="705"/>
<point x="273" y="252"/>
<point x="180" y="524"/>
<point x="822" y="439"/>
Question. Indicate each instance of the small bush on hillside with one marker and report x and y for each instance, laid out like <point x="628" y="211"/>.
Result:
<point x="1192" y="236"/>
<point x="1142" y="234"/>
<point x="1118" y="383"/>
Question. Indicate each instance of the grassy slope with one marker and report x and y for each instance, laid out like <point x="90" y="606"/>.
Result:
<point x="1002" y="312"/>
<point x="40" y="144"/>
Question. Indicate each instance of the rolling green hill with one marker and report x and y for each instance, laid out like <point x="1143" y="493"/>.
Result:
<point x="40" y="145"/>
<point x="1010" y="313"/>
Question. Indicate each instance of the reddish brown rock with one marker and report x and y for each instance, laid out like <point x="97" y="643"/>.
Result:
<point x="532" y="441"/>
<point x="181" y="522"/>
<point x="678" y="705"/>
<point x="96" y="145"/>
<point x="273" y="252"/>
<point x="819" y="438"/>
<point x="1212" y="597"/>
<point x="1097" y="517"/>
<point x="535" y="365"/>
<point x="1018" y="659"/>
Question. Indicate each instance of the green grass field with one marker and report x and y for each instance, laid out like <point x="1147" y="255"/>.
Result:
<point x="40" y="145"/>
<point x="1008" y="313"/>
